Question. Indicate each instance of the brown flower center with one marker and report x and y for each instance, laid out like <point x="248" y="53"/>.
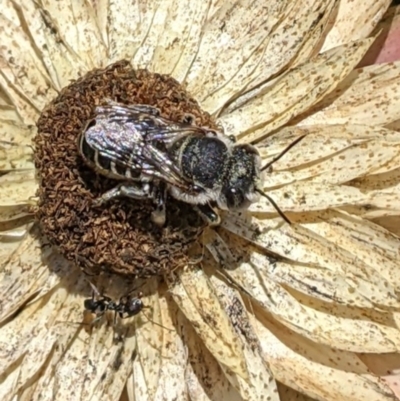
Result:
<point x="118" y="236"/>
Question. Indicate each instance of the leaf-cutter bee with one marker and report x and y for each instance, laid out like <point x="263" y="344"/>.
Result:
<point x="153" y="156"/>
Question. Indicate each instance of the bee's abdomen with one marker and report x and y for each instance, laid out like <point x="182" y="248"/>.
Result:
<point x="103" y="164"/>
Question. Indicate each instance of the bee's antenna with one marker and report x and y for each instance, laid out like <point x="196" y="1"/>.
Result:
<point x="272" y="202"/>
<point x="284" y="151"/>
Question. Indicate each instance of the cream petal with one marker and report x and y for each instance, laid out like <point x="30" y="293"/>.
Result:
<point x="301" y="244"/>
<point x="28" y="337"/>
<point x="311" y="279"/>
<point x="15" y="156"/>
<point x="204" y="377"/>
<point x="369" y="94"/>
<point x="390" y="223"/>
<point x="370" y="243"/>
<point x="161" y="358"/>
<point x="140" y="383"/>
<point x="322" y="322"/>
<point x="100" y="9"/>
<point x="381" y="190"/>
<point x="294" y="92"/>
<point x="60" y="60"/>
<point x="387" y="367"/>
<point x="76" y="27"/>
<point x="14" y="235"/>
<point x="150" y="345"/>
<point x="22" y="274"/>
<point x="144" y="20"/>
<point x="330" y="154"/>
<point x="307" y="197"/>
<point x="9" y="245"/>
<point x="27" y="113"/>
<point x="58" y="267"/>
<point x="17" y="188"/>
<point x="317" y="370"/>
<point x="9" y="213"/>
<point x="8" y="112"/>
<point x="170" y="385"/>
<point x="16" y="133"/>
<point x="34" y="357"/>
<point x="23" y="76"/>
<point x="288" y="394"/>
<point x="314" y="196"/>
<point x="114" y="363"/>
<point x="310" y="42"/>
<point x="355" y="20"/>
<point x="381" y="217"/>
<point x="261" y="384"/>
<point x="271" y="45"/>
<point x="224" y="49"/>
<point x="196" y="298"/>
<point x="179" y="39"/>
<point x="83" y="366"/>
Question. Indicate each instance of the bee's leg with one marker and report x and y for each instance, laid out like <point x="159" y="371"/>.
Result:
<point x="129" y="190"/>
<point x="188" y="119"/>
<point x="158" y="215"/>
<point x="209" y="214"/>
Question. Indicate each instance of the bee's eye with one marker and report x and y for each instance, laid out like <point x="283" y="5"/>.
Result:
<point x="235" y="198"/>
<point x="196" y="189"/>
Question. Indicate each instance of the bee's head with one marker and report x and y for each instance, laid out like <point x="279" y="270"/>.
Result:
<point x="239" y="187"/>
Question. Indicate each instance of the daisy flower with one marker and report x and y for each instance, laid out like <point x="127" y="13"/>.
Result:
<point x="254" y="309"/>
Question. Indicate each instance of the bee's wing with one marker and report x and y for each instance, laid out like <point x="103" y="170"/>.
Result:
<point x="138" y="140"/>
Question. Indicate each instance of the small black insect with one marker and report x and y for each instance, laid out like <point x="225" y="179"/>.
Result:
<point x="127" y="306"/>
<point x="153" y="156"/>
<point x="99" y="304"/>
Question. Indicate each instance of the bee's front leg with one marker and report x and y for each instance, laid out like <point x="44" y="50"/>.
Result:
<point x="209" y="214"/>
<point x="131" y="190"/>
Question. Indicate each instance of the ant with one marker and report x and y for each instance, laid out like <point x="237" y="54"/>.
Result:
<point x="127" y="306"/>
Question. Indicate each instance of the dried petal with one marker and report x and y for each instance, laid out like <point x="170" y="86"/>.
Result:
<point x="355" y="20"/>
<point x="261" y="384"/>
<point x="17" y="188"/>
<point x="196" y="298"/>
<point x="160" y="362"/>
<point x="22" y="274"/>
<point x="275" y="45"/>
<point x="369" y="94"/>
<point x="353" y="329"/>
<point x="295" y="92"/>
<point x="74" y="24"/>
<point x="297" y="363"/>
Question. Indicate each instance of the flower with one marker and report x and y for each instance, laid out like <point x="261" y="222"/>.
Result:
<point x="273" y="310"/>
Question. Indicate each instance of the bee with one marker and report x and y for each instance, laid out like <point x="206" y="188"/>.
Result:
<point x="153" y="157"/>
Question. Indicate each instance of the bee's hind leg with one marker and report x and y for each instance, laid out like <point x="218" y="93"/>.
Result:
<point x="158" y="215"/>
<point x="134" y="191"/>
